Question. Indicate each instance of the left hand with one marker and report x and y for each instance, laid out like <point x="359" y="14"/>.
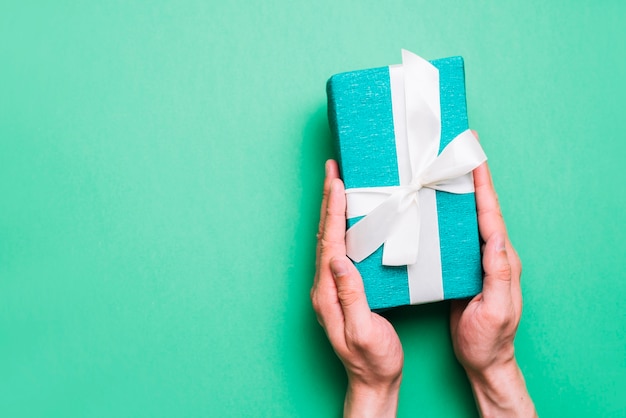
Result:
<point x="365" y="342"/>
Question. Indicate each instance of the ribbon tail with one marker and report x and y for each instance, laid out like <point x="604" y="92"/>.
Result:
<point x="361" y="201"/>
<point x="369" y="233"/>
<point x="402" y="246"/>
<point x="459" y="185"/>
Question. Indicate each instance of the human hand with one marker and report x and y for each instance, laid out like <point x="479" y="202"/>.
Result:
<point x="365" y="342"/>
<point x="484" y="328"/>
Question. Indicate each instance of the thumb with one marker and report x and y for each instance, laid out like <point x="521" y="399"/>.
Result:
<point x="497" y="281"/>
<point x="351" y="293"/>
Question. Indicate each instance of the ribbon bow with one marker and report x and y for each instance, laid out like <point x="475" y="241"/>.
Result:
<point x="392" y="214"/>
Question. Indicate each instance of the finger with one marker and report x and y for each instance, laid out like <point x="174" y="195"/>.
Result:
<point x="331" y="244"/>
<point x="351" y="294"/>
<point x="332" y="172"/>
<point x="333" y="241"/>
<point x="491" y="221"/>
<point x="490" y="218"/>
<point x="328" y="309"/>
<point x="497" y="280"/>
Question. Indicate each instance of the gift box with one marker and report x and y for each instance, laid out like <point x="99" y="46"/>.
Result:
<point x="406" y="155"/>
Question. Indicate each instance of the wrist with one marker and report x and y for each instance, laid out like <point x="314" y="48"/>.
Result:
<point x="500" y="391"/>
<point x="367" y="400"/>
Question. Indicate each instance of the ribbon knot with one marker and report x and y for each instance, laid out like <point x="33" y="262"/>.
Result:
<point x="416" y="184"/>
<point x="391" y="214"/>
<point x="410" y="195"/>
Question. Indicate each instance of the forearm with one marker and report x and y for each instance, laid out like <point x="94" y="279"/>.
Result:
<point x="363" y="401"/>
<point x="501" y="392"/>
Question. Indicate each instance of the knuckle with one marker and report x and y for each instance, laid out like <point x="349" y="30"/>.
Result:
<point x="360" y="340"/>
<point x="348" y="296"/>
<point x="499" y="318"/>
<point x="326" y="191"/>
<point x="327" y="244"/>
<point x="514" y="262"/>
<point x="491" y="212"/>
<point x="315" y="301"/>
<point x="503" y="270"/>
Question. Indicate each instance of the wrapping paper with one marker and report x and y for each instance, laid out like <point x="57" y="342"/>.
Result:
<point x="365" y="128"/>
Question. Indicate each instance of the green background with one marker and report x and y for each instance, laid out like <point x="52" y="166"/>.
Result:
<point x="160" y="174"/>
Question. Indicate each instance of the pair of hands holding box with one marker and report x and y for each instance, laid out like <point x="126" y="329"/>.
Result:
<point x="482" y="329"/>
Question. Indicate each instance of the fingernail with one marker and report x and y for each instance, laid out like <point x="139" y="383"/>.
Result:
<point x="326" y="167"/>
<point x="499" y="243"/>
<point x="338" y="267"/>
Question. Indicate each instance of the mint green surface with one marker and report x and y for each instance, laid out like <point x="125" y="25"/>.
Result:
<point x="160" y="175"/>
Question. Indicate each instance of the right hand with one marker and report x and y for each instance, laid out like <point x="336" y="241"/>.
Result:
<point x="483" y="329"/>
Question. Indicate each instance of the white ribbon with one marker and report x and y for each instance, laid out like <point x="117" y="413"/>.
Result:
<point x="392" y="214"/>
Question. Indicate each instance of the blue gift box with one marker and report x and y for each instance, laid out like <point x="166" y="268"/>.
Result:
<point x="361" y="119"/>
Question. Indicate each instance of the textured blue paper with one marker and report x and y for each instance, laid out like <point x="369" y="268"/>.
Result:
<point x="361" y="120"/>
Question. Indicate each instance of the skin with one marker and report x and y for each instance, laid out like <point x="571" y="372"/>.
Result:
<point x="482" y="329"/>
<point x="365" y="342"/>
